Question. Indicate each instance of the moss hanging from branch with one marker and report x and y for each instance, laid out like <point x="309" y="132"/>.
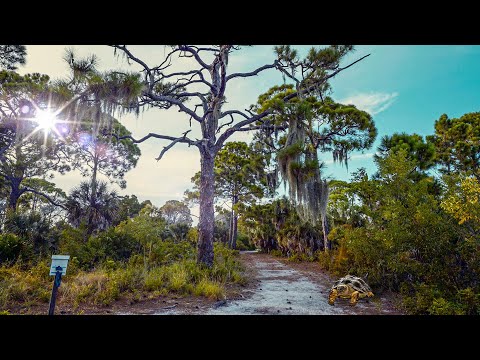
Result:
<point x="300" y="168"/>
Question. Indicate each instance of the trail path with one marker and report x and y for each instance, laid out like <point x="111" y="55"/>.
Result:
<point x="281" y="287"/>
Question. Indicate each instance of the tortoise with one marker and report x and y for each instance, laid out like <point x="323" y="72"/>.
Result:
<point x="350" y="287"/>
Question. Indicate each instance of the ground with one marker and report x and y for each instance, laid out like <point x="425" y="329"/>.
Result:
<point x="274" y="286"/>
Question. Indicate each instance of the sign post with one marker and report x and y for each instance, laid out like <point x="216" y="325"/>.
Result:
<point x="58" y="268"/>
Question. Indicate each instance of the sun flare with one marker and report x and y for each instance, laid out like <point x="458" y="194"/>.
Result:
<point x="46" y="120"/>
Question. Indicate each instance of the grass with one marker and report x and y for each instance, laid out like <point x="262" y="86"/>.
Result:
<point x="107" y="283"/>
<point x="210" y="289"/>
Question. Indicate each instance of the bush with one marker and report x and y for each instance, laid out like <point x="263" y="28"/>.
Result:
<point x="10" y="247"/>
<point x="244" y="243"/>
<point x="72" y="241"/>
<point x="168" y="251"/>
<point x="34" y="229"/>
<point x="24" y="287"/>
<point x="110" y="244"/>
<point x="210" y="289"/>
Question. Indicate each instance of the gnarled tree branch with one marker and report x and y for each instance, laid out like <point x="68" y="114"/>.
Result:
<point x="48" y="198"/>
<point x="241" y="125"/>
<point x="172" y="144"/>
<point x="183" y="139"/>
<point x="252" y="73"/>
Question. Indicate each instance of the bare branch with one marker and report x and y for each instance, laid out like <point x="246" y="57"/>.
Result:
<point x="262" y="127"/>
<point x="131" y="56"/>
<point x="174" y="101"/>
<point x="50" y="200"/>
<point x="253" y="73"/>
<point x="226" y="124"/>
<point x="230" y="112"/>
<point x="168" y="147"/>
<point x="197" y="57"/>
<point x="167" y="58"/>
<point x="184" y="139"/>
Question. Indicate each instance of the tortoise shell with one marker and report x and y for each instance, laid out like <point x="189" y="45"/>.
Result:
<point x="355" y="282"/>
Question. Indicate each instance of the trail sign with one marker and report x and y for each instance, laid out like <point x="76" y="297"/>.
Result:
<point x="58" y="268"/>
<point x="59" y="260"/>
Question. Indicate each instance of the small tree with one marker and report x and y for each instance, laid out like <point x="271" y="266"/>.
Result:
<point x="176" y="212"/>
<point x="457" y="144"/>
<point x="418" y="150"/>
<point x="96" y="215"/>
<point x="94" y="154"/>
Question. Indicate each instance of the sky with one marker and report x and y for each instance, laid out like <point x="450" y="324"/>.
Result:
<point x="404" y="88"/>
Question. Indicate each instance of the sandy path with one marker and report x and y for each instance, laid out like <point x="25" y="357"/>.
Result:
<point x="280" y="287"/>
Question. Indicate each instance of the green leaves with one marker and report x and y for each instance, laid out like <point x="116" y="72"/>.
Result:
<point x="420" y="151"/>
<point x="457" y="143"/>
<point x="11" y="55"/>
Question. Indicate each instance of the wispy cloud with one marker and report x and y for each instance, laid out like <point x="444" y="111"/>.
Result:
<point x="353" y="157"/>
<point x="372" y="102"/>
<point x="361" y="156"/>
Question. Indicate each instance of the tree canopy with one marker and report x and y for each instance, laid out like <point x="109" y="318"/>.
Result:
<point x="12" y="55"/>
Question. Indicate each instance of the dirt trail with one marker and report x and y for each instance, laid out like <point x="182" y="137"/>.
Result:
<point x="281" y="287"/>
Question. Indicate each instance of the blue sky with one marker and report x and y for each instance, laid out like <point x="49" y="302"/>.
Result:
<point x="405" y="88"/>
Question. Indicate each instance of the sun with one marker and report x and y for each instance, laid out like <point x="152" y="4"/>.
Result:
<point x="46" y="120"/>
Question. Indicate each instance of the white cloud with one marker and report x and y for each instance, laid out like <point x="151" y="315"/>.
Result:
<point x="354" y="157"/>
<point x="361" y="156"/>
<point x="372" y="102"/>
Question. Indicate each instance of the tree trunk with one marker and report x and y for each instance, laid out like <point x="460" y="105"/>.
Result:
<point x="326" y="244"/>
<point x="15" y="194"/>
<point x="93" y="195"/>
<point x="230" y="228"/>
<point x="233" y="242"/>
<point x="207" y="214"/>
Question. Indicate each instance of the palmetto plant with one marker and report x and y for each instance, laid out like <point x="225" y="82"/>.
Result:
<point x="96" y="209"/>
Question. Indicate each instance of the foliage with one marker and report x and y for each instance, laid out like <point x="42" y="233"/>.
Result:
<point x="11" y="55"/>
<point x="417" y="150"/>
<point x="277" y="226"/>
<point x="462" y="201"/>
<point x="303" y="127"/>
<point x="406" y="241"/>
<point x="457" y="144"/>
<point x="10" y="247"/>
<point x="176" y="212"/>
<point x="96" y="207"/>
<point x="27" y="150"/>
<point x="34" y="230"/>
<point x="92" y="153"/>
<point x="129" y="207"/>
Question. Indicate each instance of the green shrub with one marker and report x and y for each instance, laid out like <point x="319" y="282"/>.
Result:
<point x="155" y="279"/>
<point x="442" y="307"/>
<point x="110" y="244"/>
<point x="20" y="286"/>
<point x="210" y="289"/>
<point x="168" y="251"/>
<point x="469" y="301"/>
<point x="34" y="229"/>
<point x="72" y="241"/>
<point x="244" y="243"/>
<point x="10" y="247"/>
